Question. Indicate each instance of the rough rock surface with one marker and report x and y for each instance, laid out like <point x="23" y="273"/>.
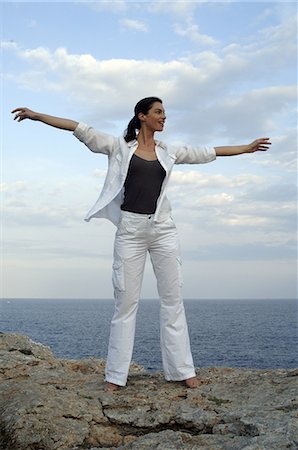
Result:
<point x="49" y="403"/>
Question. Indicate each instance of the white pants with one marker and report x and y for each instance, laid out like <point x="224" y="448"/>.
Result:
<point x="136" y="235"/>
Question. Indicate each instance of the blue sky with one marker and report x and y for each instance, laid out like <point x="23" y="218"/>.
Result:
<point x="227" y="73"/>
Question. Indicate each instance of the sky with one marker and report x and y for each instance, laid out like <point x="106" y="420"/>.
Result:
<point x="227" y="74"/>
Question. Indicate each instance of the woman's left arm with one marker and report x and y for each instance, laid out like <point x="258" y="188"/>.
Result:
<point x="261" y="144"/>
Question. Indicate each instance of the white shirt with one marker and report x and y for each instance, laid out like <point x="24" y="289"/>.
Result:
<point x="119" y="153"/>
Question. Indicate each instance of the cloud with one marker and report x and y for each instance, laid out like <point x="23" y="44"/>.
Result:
<point x="51" y="248"/>
<point x="200" y="78"/>
<point x="217" y="210"/>
<point x="99" y="173"/>
<point x="181" y="9"/>
<point x="243" y="115"/>
<point x="45" y="205"/>
<point x="204" y="72"/>
<point x="218" y="181"/>
<point x="263" y="251"/>
<point x="191" y="31"/>
<point x="285" y="155"/>
<point x="15" y="186"/>
<point x="22" y="213"/>
<point x="187" y="27"/>
<point x="239" y="209"/>
<point x="136" y="25"/>
<point x="115" y="6"/>
<point x="203" y="86"/>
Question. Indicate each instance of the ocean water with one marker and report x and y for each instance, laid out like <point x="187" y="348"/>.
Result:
<point x="227" y="333"/>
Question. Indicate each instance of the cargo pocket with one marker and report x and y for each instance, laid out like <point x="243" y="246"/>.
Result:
<point x="118" y="276"/>
<point x="180" y="275"/>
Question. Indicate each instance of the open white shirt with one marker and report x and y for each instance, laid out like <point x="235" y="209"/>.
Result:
<point x="119" y="153"/>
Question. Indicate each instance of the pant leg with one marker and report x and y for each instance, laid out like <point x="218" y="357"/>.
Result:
<point x="128" y="267"/>
<point x="175" y="344"/>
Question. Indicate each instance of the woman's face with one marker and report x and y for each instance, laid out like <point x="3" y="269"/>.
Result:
<point x="155" y="117"/>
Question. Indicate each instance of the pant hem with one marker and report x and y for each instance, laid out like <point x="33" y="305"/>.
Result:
<point x="115" y="381"/>
<point x="180" y="377"/>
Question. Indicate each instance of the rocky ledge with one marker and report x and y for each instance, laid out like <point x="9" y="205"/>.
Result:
<point x="49" y="403"/>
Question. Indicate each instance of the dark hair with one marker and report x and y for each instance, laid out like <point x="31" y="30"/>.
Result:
<point x="142" y="106"/>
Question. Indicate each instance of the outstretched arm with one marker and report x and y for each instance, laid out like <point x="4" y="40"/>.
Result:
<point x="57" y="122"/>
<point x="261" y="144"/>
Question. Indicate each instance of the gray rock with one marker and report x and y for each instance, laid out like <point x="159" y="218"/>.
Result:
<point x="56" y="404"/>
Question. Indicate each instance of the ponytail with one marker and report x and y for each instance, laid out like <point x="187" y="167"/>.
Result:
<point x="130" y="133"/>
<point x="142" y="106"/>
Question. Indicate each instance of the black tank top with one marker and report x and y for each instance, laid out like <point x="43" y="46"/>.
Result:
<point x="142" y="185"/>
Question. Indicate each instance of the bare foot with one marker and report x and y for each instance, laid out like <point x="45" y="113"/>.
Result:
<point x="111" y="387"/>
<point x="192" y="382"/>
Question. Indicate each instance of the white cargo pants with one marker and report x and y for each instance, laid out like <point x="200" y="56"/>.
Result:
<point x="136" y="235"/>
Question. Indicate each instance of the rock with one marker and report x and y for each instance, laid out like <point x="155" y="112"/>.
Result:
<point x="57" y="404"/>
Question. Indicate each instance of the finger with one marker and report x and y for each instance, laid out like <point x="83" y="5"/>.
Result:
<point x="263" y="143"/>
<point x="17" y="110"/>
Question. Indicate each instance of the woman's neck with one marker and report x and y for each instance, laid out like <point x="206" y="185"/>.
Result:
<point x="145" y="137"/>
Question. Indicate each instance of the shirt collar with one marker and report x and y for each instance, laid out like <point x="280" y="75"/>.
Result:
<point x="132" y="143"/>
<point x="157" y="143"/>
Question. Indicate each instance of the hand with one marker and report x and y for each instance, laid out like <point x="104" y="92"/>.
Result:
<point x="261" y="144"/>
<point x="57" y="122"/>
<point x="23" y="113"/>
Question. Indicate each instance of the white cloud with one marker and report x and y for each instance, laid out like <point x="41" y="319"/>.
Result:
<point x="15" y="186"/>
<point x="268" y="12"/>
<point x="180" y="8"/>
<point x="204" y="74"/>
<point x="115" y="6"/>
<point x="218" y="181"/>
<point x="9" y="45"/>
<point x="258" y="109"/>
<point x="217" y="210"/>
<point x="184" y="84"/>
<point x="98" y="173"/>
<point x="39" y="55"/>
<point x="191" y="31"/>
<point x="136" y="25"/>
<point x="284" y="153"/>
<point x="245" y="221"/>
<point x="41" y="204"/>
<point x="23" y="213"/>
<point x="226" y="95"/>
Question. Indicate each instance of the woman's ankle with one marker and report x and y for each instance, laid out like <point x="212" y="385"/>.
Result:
<point x="192" y="382"/>
<point x="111" y="386"/>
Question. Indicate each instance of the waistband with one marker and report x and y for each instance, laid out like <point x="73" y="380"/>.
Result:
<point x="137" y="216"/>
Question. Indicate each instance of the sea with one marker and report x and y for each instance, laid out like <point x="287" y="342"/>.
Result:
<point x="223" y="333"/>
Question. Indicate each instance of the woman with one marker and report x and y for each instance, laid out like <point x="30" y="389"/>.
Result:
<point x="134" y="199"/>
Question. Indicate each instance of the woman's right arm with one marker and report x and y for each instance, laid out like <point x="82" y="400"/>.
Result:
<point x="57" y="122"/>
